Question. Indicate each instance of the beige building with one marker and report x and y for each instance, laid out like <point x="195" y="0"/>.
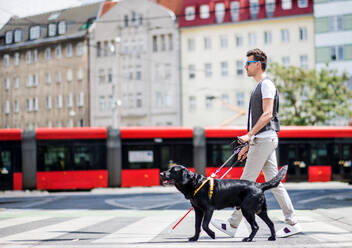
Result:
<point x="135" y="66"/>
<point x="44" y="69"/>
<point x="215" y="86"/>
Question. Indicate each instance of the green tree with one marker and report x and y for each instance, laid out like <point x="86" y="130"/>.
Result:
<point x="310" y="97"/>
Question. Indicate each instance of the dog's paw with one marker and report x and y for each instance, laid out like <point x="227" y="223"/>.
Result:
<point x="193" y="239"/>
<point x="272" y="238"/>
<point x="248" y="239"/>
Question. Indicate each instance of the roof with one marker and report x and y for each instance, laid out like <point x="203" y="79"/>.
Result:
<point x="106" y="7"/>
<point x="78" y="19"/>
<point x="173" y="5"/>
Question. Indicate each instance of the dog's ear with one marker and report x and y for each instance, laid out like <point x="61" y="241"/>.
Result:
<point x="186" y="176"/>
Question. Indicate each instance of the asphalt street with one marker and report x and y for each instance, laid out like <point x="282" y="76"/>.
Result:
<point x="144" y="217"/>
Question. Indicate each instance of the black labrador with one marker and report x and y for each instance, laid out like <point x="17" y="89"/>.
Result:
<point x="242" y="194"/>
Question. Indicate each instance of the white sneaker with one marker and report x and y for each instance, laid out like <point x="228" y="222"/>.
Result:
<point x="289" y="230"/>
<point x="224" y="226"/>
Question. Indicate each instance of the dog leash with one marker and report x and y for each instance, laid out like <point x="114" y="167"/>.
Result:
<point x="237" y="150"/>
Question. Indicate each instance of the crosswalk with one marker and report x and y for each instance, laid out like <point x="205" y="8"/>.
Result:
<point x="131" y="228"/>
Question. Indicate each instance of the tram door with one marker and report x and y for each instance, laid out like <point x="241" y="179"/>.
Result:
<point x="296" y="156"/>
<point x="6" y="169"/>
<point x="342" y="162"/>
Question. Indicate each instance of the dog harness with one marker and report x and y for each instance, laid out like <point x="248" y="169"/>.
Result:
<point x="211" y="191"/>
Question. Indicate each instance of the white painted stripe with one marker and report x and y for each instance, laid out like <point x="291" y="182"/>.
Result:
<point x="143" y="230"/>
<point x="55" y="230"/>
<point x="19" y="221"/>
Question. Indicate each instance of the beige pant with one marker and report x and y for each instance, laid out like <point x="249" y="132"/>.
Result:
<point x="261" y="156"/>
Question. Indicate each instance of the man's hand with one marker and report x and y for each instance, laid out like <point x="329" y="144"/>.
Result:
<point x="245" y="138"/>
<point x="243" y="153"/>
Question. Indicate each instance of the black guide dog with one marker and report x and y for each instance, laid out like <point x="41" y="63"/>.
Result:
<point x="242" y="194"/>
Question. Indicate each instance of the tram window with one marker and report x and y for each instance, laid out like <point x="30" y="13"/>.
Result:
<point x="5" y="162"/>
<point x="218" y="154"/>
<point x="318" y="155"/>
<point x="57" y="155"/>
<point x="139" y="157"/>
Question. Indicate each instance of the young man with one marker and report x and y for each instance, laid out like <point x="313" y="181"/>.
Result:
<point x="263" y="125"/>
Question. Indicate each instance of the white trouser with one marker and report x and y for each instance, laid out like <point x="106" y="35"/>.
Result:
<point x="261" y="156"/>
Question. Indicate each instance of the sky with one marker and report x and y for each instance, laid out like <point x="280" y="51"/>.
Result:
<point x="32" y="7"/>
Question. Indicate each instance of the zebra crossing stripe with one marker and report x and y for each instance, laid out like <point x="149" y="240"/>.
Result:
<point x="143" y="230"/>
<point x="19" y="221"/>
<point x="52" y="231"/>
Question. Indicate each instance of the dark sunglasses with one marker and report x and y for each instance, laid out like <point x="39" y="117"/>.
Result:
<point x="252" y="61"/>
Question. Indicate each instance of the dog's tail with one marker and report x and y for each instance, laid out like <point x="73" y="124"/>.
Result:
<point x="276" y="180"/>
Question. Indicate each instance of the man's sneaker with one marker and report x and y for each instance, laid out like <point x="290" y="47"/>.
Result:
<point x="224" y="226"/>
<point x="289" y="230"/>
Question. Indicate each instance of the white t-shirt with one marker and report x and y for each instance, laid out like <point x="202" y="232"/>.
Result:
<point x="268" y="91"/>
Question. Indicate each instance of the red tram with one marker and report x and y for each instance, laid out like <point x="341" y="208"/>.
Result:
<point x="84" y="158"/>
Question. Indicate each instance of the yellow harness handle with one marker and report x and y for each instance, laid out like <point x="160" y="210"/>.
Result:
<point x="211" y="191"/>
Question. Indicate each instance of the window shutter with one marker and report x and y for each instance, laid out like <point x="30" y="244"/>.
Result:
<point x="321" y="25"/>
<point x="322" y="54"/>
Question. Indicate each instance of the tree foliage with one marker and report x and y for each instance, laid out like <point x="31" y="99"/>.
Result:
<point x="309" y="97"/>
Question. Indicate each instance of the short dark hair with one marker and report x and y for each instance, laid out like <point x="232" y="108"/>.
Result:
<point x="258" y="55"/>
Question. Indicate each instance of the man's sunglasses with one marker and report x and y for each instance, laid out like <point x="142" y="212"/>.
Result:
<point x="252" y="61"/>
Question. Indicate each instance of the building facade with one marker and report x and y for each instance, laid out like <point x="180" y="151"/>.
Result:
<point x="135" y="66"/>
<point x="215" y="37"/>
<point x="44" y="69"/>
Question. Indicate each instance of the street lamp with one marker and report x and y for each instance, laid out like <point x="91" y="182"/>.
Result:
<point x="116" y="102"/>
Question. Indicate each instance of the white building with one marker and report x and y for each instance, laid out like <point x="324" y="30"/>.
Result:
<point x="135" y="66"/>
<point x="215" y="40"/>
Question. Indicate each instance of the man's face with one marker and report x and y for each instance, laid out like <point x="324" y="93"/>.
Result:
<point x="252" y="67"/>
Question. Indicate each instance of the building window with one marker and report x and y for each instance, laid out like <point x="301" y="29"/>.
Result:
<point x="18" y="35"/>
<point x="267" y="37"/>
<point x="336" y="53"/>
<point x="125" y="20"/>
<point x="304" y="61"/>
<point x="191" y="44"/>
<point x="239" y="40"/>
<point x="29" y="81"/>
<point x="254" y="8"/>
<point x="7" y="107"/>
<point x="171" y="46"/>
<point x="286" y="61"/>
<point x="58" y="51"/>
<point x="35" y="55"/>
<point x="239" y="67"/>
<point x="16" y="59"/>
<point x="62" y="27"/>
<point x="110" y="76"/>
<point x="48" y="53"/>
<point x="48" y="102"/>
<point x="219" y="12"/>
<point x="335" y="23"/>
<point x="224" y="69"/>
<point x="80" y="74"/>
<point x="207" y="70"/>
<point x="28" y="57"/>
<point x="303" y="34"/>
<point x="163" y="42"/>
<point x="35" y="80"/>
<point x="59" y="101"/>
<point x="139" y="100"/>
<point x="35" y="104"/>
<point x="192" y="105"/>
<point x="101" y="76"/>
<point x="190" y="13"/>
<point x="285" y="35"/>
<point x="7" y="83"/>
<point x="98" y="49"/>
<point x="235" y="10"/>
<point x="81" y="99"/>
<point x="140" y="20"/>
<point x="209" y="102"/>
<point x="191" y="71"/>
<point x="28" y="105"/>
<point x="240" y="99"/>
<point x="69" y="50"/>
<point x="79" y="49"/>
<point x="6" y="60"/>
<point x="101" y="103"/>
<point x="286" y="4"/>
<point x="207" y="43"/>
<point x="58" y="77"/>
<point x="16" y="107"/>
<point x="69" y="75"/>
<point x="204" y="11"/>
<point x="48" y="78"/>
<point x="8" y="37"/>
<point x="270" y="7"/>
<point x="251" y="39"/>
<point x="34" y="32"/>
<point x="69" y="100"/>
<point x="51" y="29"/>
<point x="302" y="3"/>
<point x="17" y="83"/>
<point x="155" y="43"/>
<point x="223" y="41"/>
